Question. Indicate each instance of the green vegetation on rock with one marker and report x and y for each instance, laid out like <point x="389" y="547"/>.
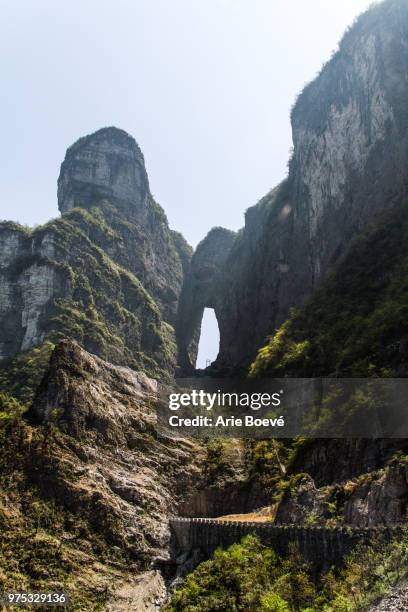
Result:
<point x="249" y="576"/>
<point x="246" y="576"/>
<point x="355" y="324"/>
<point x="96" y="301"/>
<point x="21" y="376"/>
<point x="44" y="546"/>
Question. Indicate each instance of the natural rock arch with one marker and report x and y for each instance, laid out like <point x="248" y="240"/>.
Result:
<point x="201" y="290"/>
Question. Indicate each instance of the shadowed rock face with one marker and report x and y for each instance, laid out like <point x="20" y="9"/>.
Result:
<point x="375" y="498"/>
<point x="350" y="160"/>
<point x="105" y="165"/>
<point x="195" y="540"/>
<point x="201" y="290"/>
<point x="298" y="504"/>
<point x="123" y="462"/>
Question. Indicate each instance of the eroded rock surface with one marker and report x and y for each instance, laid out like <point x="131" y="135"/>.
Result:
<point x="301" y="504"/>
<point x="201" y="290"/>
<point x="106" y="165"/>
<point x="382" y="500"/>
<point x="349" y="162"/>
<point x="108" y="458"/>
<point x="145" y="593"/>
<point x="93" y="454"/>
<point x="395" y="601"/>
<point x="108" y="273"/>
<point x="378" y="498"/>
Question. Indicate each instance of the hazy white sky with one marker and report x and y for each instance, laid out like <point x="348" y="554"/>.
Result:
<point x="205" y="87"/>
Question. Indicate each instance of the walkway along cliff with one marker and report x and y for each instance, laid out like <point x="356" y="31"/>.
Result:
<point x="198" y="538"/>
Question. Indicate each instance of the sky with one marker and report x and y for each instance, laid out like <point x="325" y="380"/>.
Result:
<point x="204" y="86"/>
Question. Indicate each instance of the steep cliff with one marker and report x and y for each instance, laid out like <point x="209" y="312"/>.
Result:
<point x="355" y="323"/>
<point x="87" y="484"/>
<point x="108" y="273"/>
<point x="375" y="498"/>
<point x="201" y="289"/>
<point x="106" y="165"/>
<point x="89" y="479"/>
<point x="349" y="162"/>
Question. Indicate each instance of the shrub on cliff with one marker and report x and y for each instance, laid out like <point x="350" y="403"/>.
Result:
<point x="20" y="376"/>
<point x="249" y="576"/>
<point x="10" y="408"/>
<point x="370" y="572"/>
<point x="246" y="576"/>
<point x="356" y="323"/>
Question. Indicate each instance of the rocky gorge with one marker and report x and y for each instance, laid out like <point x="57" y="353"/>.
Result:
<point x="101" y="308"/>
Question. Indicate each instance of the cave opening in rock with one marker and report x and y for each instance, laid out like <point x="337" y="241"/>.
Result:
<point x="209" y="339"/>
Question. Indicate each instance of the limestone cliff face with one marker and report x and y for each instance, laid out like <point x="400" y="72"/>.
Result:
<point x="350" y="161"/>
<point x="91" y="471"/>
<point x="106" y="170"/>
<point x="108" y="273"/>
<point x="201" y="290"/>
<point x="375" y="498"/>
<point x="106" y="165"/>
<point x="382" y="499"/>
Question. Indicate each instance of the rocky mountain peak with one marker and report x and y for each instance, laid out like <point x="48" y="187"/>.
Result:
<point x="113" y="268"/>
<point x="105" y="165"/>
